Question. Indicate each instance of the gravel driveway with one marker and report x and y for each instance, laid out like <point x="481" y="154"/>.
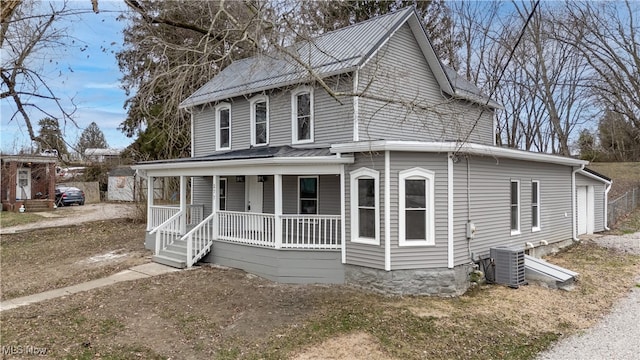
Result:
<point x="73" y="215"/>
<point x="617" y="335"/>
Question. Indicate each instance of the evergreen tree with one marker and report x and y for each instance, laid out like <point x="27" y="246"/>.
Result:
<point x="91" y="138"/>
<point x="50" y="137"/>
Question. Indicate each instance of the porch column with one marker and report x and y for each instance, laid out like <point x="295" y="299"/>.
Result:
<point x="215" y="205"/>
<point x="277" y="209"/>
<point x="149" y="201"/>
<point x="183" y="204"/>
<point x="51" y="188"/>
<point x="13" y="183"/>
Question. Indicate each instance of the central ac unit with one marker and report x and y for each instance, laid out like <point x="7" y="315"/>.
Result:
<point x="508" y="266"/>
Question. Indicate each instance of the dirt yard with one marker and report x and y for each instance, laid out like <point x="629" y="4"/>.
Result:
<point x="211" y="312"/>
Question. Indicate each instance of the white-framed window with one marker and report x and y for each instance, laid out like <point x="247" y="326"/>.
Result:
<point x="302" y="123"/>
<point x="259" y="120"/>
<point x="222" y="194"/>
<point x="535" y="205"/>
<point x="308" y="195"/>
<point x="365" y="206"/>
<point x="223" y="126"/>
<point x="416" y="206"/>
<point x="515" y="207"/>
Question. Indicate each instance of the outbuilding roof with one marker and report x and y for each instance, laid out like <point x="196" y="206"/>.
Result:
<point x="336" y="52"/>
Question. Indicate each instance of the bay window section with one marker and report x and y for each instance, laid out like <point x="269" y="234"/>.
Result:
<point x="365" y="208"/>
<point x="416" y="207"/>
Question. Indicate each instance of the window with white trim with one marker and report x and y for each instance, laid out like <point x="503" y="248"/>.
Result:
<point x="416" y="207"/>
<point x="365" y="207"/>
<point x="535" y="205"/>
<point x="259" y="121"/>
<point x="223" y="127"/>
<point x="302" y="115"/>
<point x="222" y="194"/>
<point x="307" y="195"/>
<point x="515" y="207"/>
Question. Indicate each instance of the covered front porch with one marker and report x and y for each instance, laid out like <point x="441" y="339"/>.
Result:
<point x="292" y="206"/>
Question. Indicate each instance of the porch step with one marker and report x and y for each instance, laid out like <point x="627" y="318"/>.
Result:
<point x="160" y="259"/>
<point x="37" y="205"/>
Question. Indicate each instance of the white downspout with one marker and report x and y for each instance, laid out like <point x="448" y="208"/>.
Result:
<point x="387" y="211"/>
<point x="574" y="217"/>
<point x="450" y="257"/>
<point x="606" y="205"/>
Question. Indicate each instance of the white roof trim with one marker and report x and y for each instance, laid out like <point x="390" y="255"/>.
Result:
<point x="445" y="147"/>
<point x="594" y="177"/>
<point x="261" y="161"/>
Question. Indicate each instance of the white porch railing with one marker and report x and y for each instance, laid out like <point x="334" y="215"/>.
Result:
<point x="167" y="231"/>
<point x="160" y="213"/>
<point x="199" y="240"/>
<point x="311" y="231"/>
<point x="247" y="228"/>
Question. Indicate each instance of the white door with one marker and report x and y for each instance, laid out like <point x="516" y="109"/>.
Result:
<point x="586" y="214"/>
<point x="253" y="197"/>
<point x="253" y="194"/>
<point x="23" y="184"/>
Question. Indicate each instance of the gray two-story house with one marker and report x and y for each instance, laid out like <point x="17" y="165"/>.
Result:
<point x="358" y="158"/>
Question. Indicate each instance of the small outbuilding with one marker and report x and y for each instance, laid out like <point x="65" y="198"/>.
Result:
<point x="122" y="184"/>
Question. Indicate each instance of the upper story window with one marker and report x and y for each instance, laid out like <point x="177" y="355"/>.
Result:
<point x="416" y="207"/>
<point x="302" y="115"/>
<point x="365" y="208"/>
<point x="259" y="121"/>
<point x="223" y="127"/>
<point x="515" y="207"/>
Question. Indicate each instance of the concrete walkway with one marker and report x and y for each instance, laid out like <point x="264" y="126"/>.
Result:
<point x="135" y="273"/>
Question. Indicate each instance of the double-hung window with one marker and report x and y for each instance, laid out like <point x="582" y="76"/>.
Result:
<point x="308" y="195"/>
<point x="302" y="115"/>
<point x="535" y="205"/>
<point x="259" y="121"/>
<point x="365" y="208"/>
<point x="515" y="207"/>
<point x="416" y="207"/>
<point x="222" y="197"/>
<point x="223" y="126"/>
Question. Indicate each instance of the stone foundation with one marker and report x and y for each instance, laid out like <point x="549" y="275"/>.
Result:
<point x="433" y="282"/>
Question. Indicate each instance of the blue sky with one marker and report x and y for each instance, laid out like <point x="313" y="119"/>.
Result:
<point x="90" y="77"/>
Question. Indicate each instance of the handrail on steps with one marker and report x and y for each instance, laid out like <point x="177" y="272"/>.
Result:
<point x="166" y="223"/>
<point x="188" y="237"/>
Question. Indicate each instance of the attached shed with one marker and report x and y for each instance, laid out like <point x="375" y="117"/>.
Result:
<point x="122" y="184"/>
<point x="591" y="193"/>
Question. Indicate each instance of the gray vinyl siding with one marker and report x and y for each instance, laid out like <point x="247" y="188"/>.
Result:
<point x="328" y="193"/>
<point x="362" y="254"/>
<point x="204" y="130"/>
<point x="460" y="210"/>
<point x="490" y="204"/>
<point x="399" y="73"/>
<point x="235" y="195"/>
<point x="333" y="119"/>
<point x="598" y="201"/>
<point x="413" y="257"/>
<point x="286" y="266"/>
<point x="202" y="192"/>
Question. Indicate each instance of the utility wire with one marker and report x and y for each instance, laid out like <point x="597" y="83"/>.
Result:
<point x="504" y="69"/>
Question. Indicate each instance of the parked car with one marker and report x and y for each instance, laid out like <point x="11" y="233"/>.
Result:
<point x="68" y="195"/>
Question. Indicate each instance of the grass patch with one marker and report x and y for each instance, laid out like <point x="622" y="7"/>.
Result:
<point x="10" y="218"/>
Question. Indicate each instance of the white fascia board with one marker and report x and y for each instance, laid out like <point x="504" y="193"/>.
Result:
<point x="256" y="166"/>
<point x="445" y="147"/>
<point x="594" y="177"/>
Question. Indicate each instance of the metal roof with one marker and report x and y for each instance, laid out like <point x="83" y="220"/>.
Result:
<point x="252" y="153"/>
<point x="329" y="54"/>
